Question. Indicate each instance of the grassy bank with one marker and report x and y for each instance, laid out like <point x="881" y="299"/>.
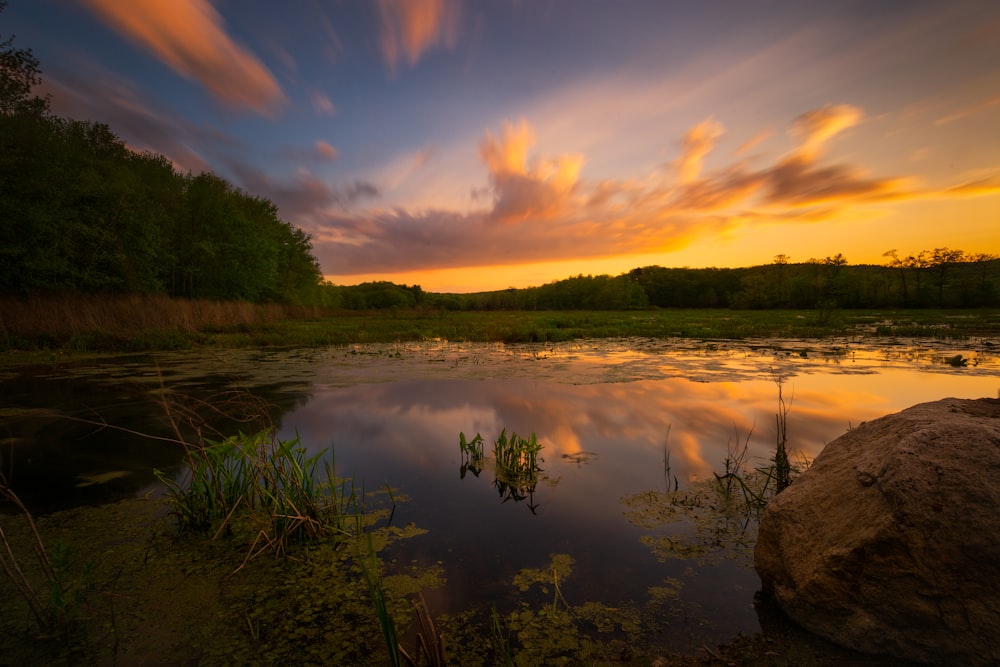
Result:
<point x="131" y="324"/>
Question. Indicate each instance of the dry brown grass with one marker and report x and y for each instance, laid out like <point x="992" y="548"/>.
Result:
<point x="61" y="318"/>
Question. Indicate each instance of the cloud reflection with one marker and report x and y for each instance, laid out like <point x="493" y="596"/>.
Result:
<point x="415" y="424"/>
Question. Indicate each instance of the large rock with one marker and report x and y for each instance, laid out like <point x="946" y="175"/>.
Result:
<point x="890" y="542"/>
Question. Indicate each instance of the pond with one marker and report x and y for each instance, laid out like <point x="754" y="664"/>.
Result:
<point x="621" y="422"/>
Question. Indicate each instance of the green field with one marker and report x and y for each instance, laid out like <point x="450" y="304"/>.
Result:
<point x="171" y="324"/>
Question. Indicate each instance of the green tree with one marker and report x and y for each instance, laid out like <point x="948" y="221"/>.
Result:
<point x="942" y="259"/>
<point x="19" y="74"/>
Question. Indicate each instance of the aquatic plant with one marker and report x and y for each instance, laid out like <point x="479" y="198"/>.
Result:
<point x="500" y="639"/>
<point x="472" y="455"/>
<point x="782" y="466"/>
<point x="430" y="644"/>
<point x="723" y="511"/>
<point x="370" y="568"/>
<point x="515" y="464"/>
<point x="558" y="632"/>
<point x="267" y="485"/>
<point x="516" y="457"/>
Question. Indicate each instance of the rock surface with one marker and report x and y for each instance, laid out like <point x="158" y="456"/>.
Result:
<point x="890" y="542"/>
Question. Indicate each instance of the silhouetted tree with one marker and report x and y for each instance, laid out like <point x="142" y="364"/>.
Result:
<point x="19" y="74"/>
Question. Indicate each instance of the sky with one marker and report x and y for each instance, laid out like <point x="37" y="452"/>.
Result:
<point x="481" y="145"/>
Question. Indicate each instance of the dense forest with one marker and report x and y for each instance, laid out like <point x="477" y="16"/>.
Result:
<point x="81" y="212"/>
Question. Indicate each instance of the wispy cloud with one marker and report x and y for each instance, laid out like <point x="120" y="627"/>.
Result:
<point x="697" y="143"/>
<point x="96" y="94"/>
<point x="815" y="128"/>
<point x="978" y="107"/>
<point x="322" y="104"/>
<point x="326" y="151"/>
<point x="409" y="28"/>
<point x="189" y="37"/>
<point x="304" y="196"/>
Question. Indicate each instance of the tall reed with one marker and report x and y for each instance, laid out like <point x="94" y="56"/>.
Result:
<point x="269" y="485"/>
<point x="57" y="320"/>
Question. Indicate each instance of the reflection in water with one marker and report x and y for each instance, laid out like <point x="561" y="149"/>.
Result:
<point x="616" y="420"/>
<point x="93" y="432"/>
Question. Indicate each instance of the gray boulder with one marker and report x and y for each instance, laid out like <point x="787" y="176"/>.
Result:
<point x="890" y="542"/>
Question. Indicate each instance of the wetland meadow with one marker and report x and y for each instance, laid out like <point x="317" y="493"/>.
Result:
<point x="611" y="537"/>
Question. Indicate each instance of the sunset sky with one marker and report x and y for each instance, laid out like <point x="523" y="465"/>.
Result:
<point x="479" y="145"/>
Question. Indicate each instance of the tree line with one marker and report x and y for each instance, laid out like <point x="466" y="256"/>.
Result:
<point x="939" y="278"/>
<point x="80" y="211"/>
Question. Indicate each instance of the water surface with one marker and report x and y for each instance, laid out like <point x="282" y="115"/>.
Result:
<point x="621" y="422"/>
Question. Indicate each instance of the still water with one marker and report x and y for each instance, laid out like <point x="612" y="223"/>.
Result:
<point x="620" y="422"/>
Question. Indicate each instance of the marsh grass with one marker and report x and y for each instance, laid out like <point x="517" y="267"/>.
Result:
<point x="371" y="567"/>
<point x="139" y="323"/>
<point x="132" y="322"/>
<point x="268" y="487"/>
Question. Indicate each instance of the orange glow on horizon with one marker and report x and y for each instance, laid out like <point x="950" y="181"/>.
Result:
<point x="915" y="227"/>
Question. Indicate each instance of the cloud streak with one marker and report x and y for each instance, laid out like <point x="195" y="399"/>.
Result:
<point x="189" y="37"/>
<point x="410" y="28"/>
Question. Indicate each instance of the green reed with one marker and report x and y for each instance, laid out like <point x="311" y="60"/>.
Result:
<point x="268" y="485"/>
<point x="516" y="457"/>
<point x="473" y="457"/>
<point x="515" y="463"/>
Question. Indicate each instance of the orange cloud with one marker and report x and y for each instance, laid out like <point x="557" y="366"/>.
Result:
<point x="696" y="144"/>
<point x="326" y="150"/>
<point x="509" y="154"/>
<point x="189" y="37"/>
<point x="409" y="28"/>
<point x="752" y="142"/>
<point x="523" y="191"/>
<point x="797" y="181"/>
<point x="987" y="185"/>
<point x="818" y="126"/>
<point x="979" y="107"/>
